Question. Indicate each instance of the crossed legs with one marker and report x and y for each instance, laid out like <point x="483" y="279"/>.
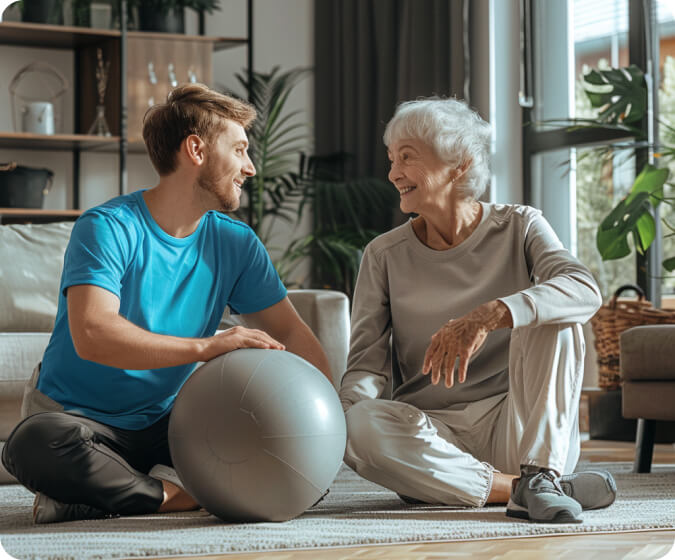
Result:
<point x="450" y="456"/>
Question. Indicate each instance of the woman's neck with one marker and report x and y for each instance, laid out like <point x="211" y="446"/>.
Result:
<point x="448" y="229"/>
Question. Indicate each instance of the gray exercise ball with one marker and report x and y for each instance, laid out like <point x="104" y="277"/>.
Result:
<point x="257" y="435"/>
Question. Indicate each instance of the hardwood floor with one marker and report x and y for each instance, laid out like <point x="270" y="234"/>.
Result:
<point x="641" y="546"/>
<point x="645" y="545"/>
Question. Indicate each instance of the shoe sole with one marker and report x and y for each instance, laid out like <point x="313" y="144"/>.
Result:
<point x="584" y="488"/>
<point x="520" y="512"/>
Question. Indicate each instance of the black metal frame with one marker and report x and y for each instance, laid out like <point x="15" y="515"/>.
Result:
<point x="643" y="49"/>
<point x="123" y="174"/>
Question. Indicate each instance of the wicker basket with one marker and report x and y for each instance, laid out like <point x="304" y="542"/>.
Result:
<point x="611" y="320"/>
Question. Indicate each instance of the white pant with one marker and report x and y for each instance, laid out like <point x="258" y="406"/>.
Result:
<point x="449" y="456"/>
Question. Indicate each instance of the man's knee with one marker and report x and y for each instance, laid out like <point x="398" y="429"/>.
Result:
<point x="40" y="443"/>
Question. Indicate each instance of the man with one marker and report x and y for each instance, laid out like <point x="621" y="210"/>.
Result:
<point x="145" y="282"/>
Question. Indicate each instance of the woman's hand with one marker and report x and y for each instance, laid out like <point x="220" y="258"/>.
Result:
<point x="461" y="338"/>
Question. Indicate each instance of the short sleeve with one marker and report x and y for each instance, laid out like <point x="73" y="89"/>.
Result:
<point x="258" y="285"/>
<point x="96" y="254"/>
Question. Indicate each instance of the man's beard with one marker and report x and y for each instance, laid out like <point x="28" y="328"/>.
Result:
<point x="227" y="201"/>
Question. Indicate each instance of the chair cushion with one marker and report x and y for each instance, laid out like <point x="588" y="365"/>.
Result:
<point x="652" y="400"/>
<point x="32" y="257"/>
<point x="647" y="353"/>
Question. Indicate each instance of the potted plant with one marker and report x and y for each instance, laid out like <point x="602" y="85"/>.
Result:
<point x="346" y="213"/>
<point x="276" y="141"/>
<point x="620" y="94"/>
<point x="168" y="15"/>
<point x="42" y="11"/>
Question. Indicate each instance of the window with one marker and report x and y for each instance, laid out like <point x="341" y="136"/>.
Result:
<point x="563" y="176"/>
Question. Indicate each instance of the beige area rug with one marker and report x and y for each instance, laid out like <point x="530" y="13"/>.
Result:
<point x="356" y="512"/>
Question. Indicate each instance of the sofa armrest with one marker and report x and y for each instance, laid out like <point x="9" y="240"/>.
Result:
<point x="647" y="353"/>
<point x="326" y="313"/>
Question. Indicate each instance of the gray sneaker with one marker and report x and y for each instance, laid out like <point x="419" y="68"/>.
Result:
<point x="48" y="510"/>
<point x="539" y="497"/>
<point x="592" y="489"/>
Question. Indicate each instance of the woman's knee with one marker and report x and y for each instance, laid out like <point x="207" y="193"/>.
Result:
<point x="376" y="427"/>
<point x="361" y="437"/>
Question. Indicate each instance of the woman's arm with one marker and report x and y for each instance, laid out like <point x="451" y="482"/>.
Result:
<point x="369" y="363"/>
<point x="563" y="291"/>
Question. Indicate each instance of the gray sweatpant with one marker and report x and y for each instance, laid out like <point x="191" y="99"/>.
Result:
<point x="449" y="456"/>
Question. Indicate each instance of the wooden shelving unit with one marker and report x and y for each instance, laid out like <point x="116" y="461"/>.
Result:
<point x="121" y="110"/>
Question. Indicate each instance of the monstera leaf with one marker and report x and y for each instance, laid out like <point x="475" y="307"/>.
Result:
<point x="632" y="216"/>
<point x="620" y="93"/>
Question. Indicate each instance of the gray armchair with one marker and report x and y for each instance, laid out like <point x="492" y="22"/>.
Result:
<point x="648" y="373"/>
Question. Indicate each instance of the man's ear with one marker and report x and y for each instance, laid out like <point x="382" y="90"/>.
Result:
<point x="195" y="149"/>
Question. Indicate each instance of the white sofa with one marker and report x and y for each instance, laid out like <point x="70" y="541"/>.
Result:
<point x="31" y="258"/>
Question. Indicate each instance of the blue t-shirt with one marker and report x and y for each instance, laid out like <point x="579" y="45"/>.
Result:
<point x="166" y="285"/>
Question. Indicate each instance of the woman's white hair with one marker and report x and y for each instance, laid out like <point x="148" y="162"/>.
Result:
<point x="453" y="130"/>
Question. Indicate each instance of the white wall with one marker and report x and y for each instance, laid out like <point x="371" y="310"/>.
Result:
<point x="283" y="35"/>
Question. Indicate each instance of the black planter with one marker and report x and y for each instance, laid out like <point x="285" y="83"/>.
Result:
<point x="43" y="11"/>
<point x="23" y="187"/>
<point x="167" y="21"/>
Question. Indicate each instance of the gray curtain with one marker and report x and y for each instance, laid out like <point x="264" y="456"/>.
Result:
<point x="373" y="54"/>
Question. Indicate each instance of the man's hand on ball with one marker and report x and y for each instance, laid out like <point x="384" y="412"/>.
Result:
<point x="460" y="339"/>
<point x="242" y="337"/>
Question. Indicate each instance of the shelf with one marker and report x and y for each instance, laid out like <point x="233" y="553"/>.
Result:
<point x="219" y="43"/>
<point x="65" y="37"/>
<point x="37" y="215"/>
<point x="52" y="36"/>
<point x="58" y="142"/>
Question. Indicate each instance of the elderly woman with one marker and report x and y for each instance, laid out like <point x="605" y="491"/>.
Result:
<point x="475" y="309"/>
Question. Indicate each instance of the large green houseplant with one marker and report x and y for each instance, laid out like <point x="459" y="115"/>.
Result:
<point x="620" y="95"/>
<point x="346" y="212"/>
<point x="277" y="139"/>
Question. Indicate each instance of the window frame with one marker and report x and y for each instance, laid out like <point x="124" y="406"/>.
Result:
<point x="643" y="49"/>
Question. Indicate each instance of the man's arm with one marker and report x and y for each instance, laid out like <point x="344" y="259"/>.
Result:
<point x="100" y="334"/>
<point x="282" y="322"/>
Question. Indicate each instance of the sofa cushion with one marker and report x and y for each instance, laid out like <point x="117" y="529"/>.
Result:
<point x="19" y="354"/>
<point x="32" y="260"/>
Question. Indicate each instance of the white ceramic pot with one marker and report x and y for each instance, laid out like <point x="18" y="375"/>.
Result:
<point x="38" y="118"/>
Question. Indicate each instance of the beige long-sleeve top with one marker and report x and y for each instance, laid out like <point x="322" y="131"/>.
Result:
<point x="406" y="291"/>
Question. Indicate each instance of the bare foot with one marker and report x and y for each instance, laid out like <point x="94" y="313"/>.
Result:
<point x="176" y="499"/>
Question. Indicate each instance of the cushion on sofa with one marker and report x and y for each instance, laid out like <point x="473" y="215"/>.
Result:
<point x="31" y="260"/>
<point x="19" y="354"/>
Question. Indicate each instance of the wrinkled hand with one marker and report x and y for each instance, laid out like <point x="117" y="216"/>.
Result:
<point x="461" y="338"/>
<point x="241" y="337"/>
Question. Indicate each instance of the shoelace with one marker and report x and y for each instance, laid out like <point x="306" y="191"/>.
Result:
<point x="541" y="480"/>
